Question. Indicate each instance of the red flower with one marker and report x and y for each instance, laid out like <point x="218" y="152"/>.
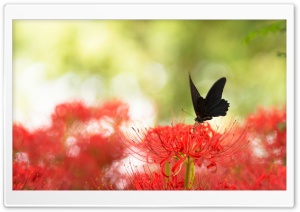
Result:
<point x="181" y="144"/>
<point x="155" y="181"/>
<point x="79" y="150"/>
<point x="30" y="177"/>
<point x="83" y="148"/>
<point x="269" y="128"/>
<point x="151" y="180"/>
<point x="262" y="165"/>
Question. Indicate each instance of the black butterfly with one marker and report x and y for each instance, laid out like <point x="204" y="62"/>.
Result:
<point x="212" y="105"/>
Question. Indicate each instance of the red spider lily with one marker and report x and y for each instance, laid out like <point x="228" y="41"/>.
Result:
<point x="77" y="151"/>
<point x="83" y="148"/>
<point x="263" y="178"/>
<point x="189" y="145"/>
<point x="27" y="177"/>
<point x="155" y="181"/>
<point x="152" y="180"/>
<point x="262" y="165"/>
<point x="270" y="130"/>
<point x="243" y="177"/>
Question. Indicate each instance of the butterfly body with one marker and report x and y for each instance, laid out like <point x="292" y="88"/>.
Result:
<point x="212" y="105"/>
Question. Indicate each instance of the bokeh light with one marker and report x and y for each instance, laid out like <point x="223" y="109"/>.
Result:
<point x="146" y="63"/>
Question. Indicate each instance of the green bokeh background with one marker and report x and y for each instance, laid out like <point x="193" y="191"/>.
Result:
<point x="159" y="55"/>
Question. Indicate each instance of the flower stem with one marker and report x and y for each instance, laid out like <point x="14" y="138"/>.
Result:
<point x="167" y="170"/>
<point x="189" y="174"/>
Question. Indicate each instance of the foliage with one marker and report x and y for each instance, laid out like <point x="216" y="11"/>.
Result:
<point x="275" y="27"/>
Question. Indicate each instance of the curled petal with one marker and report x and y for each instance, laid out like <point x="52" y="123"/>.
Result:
<point x="177" y="166"/>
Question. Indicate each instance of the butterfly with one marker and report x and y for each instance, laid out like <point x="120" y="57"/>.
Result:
<point x="213" y="105"/>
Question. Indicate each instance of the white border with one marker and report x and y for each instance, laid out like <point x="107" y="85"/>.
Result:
<point x="147" y="198"/>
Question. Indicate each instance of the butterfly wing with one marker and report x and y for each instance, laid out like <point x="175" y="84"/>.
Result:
<point x="195" y="95"/>
<point x="214" y="95"/>
<point x="220" y="109"/>
<point x="199" y="104"/>
<point x="213" y="105"/>
<point x="214" y="102"/>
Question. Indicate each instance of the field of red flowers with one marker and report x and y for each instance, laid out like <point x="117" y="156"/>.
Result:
<point x="85" y="148"/>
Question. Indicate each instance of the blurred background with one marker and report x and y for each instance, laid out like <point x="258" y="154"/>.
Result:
<point x="146" y="64"/>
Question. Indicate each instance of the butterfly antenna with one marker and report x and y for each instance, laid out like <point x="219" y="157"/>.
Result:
<point x="186" y="112"/>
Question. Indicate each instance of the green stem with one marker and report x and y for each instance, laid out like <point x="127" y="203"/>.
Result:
<point x="167" y="170"/>
<point x="189" y="174"/>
